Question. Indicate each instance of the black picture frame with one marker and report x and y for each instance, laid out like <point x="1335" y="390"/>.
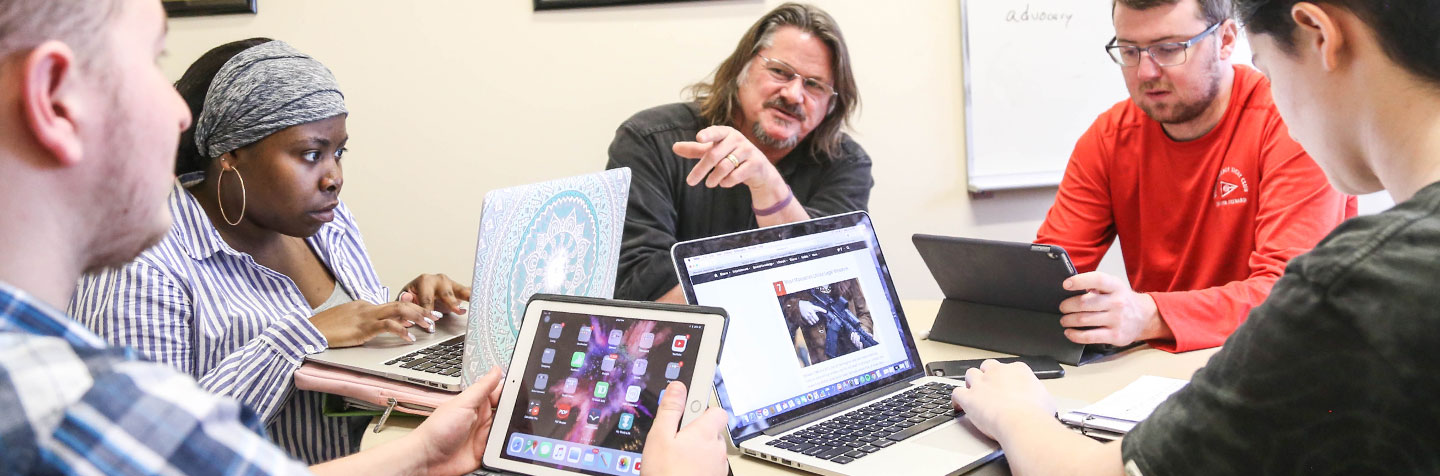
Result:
<point x="192" y="8"/>
<point x="563" y="4"/>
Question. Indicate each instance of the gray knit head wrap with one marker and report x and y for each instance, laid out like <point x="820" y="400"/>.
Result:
<point x="261" y="91"/>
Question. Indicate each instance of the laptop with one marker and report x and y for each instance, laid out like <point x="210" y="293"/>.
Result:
<point x="556" y="237"/>
<point x="820" y="372"/>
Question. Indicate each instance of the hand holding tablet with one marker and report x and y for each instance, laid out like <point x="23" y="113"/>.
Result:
<point x="668" y="451"/>
<point x="587" y="378"/>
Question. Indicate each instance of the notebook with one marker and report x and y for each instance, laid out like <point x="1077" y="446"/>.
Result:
<point x="1117" y="414"/>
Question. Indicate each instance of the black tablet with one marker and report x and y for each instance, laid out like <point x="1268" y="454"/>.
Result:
<point x="999" y="273"/>
<point x="1003" y="296"/>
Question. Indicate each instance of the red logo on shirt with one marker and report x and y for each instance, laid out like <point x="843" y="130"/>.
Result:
<point x="1231" y="188"/>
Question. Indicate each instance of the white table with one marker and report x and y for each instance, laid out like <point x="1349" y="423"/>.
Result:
<point x="1088" y="383"/>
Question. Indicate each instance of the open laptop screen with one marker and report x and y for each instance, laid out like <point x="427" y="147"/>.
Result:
<point x="814" y="317"/>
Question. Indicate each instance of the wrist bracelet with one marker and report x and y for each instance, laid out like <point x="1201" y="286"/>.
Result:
<point x="773" y="209"/>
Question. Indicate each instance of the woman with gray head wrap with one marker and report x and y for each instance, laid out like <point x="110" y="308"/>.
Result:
<point x="261" y="91"/>
<point x="263" y="265"/>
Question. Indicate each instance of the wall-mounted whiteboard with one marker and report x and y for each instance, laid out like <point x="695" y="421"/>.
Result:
<point x="1036" y="77"/>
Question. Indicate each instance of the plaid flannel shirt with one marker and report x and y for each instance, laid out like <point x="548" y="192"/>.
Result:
<point x="71" y="404"/>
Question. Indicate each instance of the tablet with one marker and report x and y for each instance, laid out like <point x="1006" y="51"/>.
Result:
<point x="586" y="379"/>
<point x="1000" y="273"/>
<point x="1004" y="296"/>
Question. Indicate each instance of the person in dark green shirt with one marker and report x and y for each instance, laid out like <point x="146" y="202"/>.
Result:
<point x="1336" y="373"/>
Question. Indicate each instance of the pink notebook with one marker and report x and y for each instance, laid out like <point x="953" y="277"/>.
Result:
<point x="413" y="399"/>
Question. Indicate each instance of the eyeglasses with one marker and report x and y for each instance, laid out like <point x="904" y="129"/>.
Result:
<point x="1164" y="54"/>
<point x="783" y="73"/>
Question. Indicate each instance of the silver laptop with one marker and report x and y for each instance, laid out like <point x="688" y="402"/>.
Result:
<point x="433" y="360"/>
<point x="820" y="371"/>
<point x="556" y="237"/>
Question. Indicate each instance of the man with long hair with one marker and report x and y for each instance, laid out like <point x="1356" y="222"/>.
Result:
<point x="762" y="144"/>
<point x="88" y="132"/>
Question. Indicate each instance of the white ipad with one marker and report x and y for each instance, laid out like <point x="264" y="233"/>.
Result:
<point x="586" y="378"/>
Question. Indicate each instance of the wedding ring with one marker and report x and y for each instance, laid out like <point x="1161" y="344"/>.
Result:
<point x="733" y="161"/>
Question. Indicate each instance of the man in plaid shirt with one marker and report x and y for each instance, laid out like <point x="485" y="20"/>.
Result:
<point x="88" y="131"/>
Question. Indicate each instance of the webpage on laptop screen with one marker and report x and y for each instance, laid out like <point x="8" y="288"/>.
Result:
<point x="814" y="313"/>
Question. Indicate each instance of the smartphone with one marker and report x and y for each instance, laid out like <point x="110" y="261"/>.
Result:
<point x="1044" y="367"/>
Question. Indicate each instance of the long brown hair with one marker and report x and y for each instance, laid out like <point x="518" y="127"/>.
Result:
<point x="720" y="98"/>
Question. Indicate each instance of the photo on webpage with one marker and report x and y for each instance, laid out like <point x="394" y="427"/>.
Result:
<point x="826" y="321"/>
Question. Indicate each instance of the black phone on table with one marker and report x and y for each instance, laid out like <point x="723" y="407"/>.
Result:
<point x="1044" y="367"/>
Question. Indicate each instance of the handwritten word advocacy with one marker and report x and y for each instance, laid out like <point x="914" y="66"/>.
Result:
<point x="1028" y="16"/>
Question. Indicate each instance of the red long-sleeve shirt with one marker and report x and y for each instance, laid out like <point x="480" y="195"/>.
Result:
<point x="1207" y="225"/>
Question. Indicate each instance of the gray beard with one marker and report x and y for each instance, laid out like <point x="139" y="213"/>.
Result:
<point x="774" y="143"/>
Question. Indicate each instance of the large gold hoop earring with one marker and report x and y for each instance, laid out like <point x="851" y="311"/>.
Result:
<point x="220" y="198"/>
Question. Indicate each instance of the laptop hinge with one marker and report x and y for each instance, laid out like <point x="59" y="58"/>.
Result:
<point x="839" y="407"/>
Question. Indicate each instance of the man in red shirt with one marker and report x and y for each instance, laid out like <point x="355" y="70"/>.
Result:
<point x="1197" y="175"/>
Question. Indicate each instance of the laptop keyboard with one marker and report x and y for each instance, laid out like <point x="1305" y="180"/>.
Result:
<point x="439" y="359"/>
<point x="857" y="434"/>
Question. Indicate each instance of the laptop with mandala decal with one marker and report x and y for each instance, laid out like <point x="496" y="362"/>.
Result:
<point x="557" y="237"/>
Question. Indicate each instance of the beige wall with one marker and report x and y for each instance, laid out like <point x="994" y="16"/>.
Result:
<point x="452" y="98"/>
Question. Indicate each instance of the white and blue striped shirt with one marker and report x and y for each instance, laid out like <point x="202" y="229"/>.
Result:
<point x="239" y="328"/>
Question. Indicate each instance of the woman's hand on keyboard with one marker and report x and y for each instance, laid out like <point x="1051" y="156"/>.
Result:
<point x="437" y="292"/>
<point x="356" y="322"/>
